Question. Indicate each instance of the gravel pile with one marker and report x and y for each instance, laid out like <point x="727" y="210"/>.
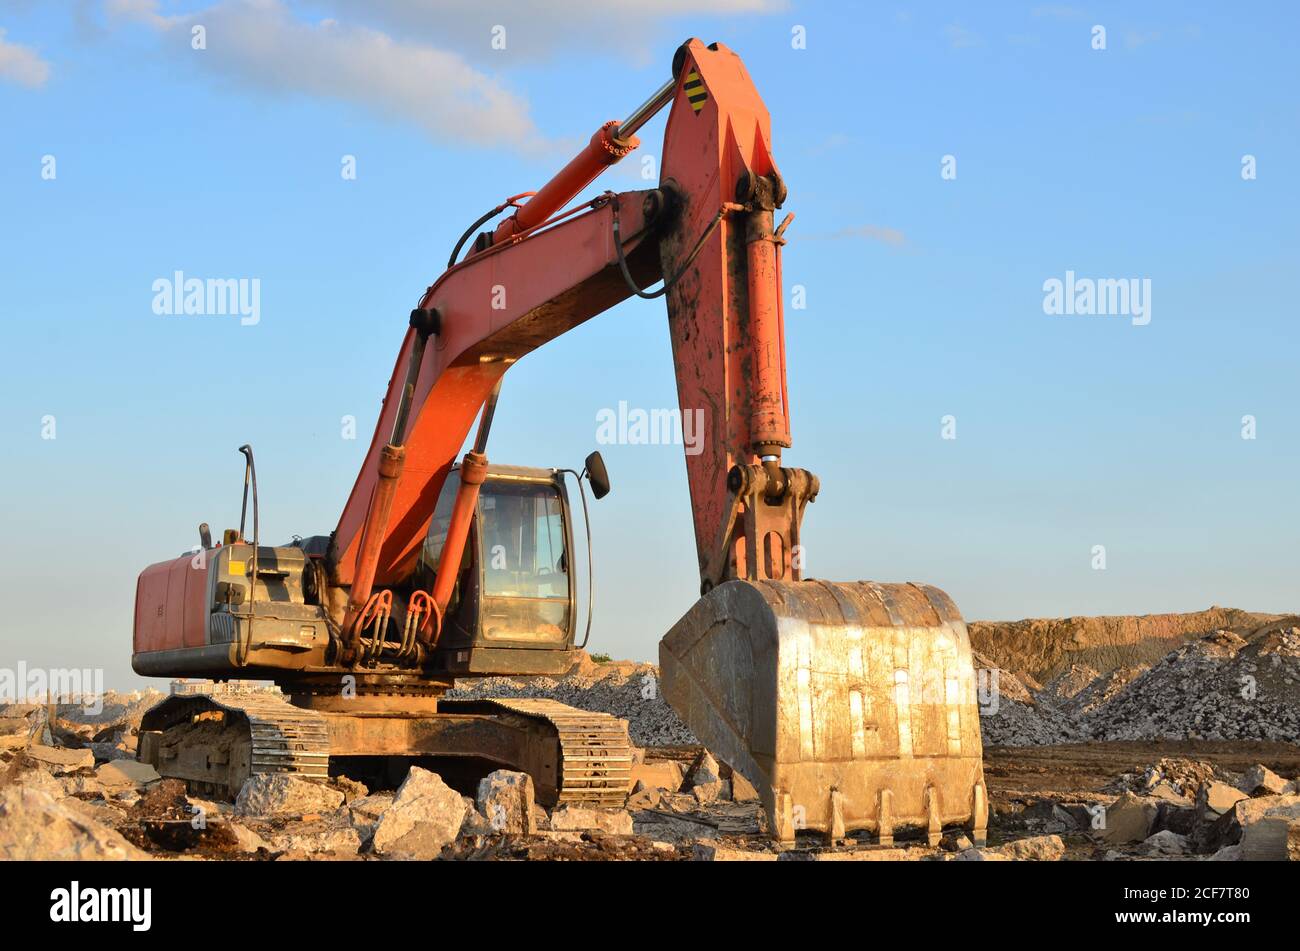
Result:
<point x="1222" y="687"/>
<point x="629" y="691"/>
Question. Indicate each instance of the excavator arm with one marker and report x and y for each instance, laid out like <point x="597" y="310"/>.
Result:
<point x="709" y="227"/>
<point x="847" y="705"/>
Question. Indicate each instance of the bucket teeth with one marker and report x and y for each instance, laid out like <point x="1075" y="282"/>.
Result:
<point x="849" y="706"/>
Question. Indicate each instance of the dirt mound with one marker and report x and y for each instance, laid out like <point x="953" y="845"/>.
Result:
<point x="1045" y="648"/>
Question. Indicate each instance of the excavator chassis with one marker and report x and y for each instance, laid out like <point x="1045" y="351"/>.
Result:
<point x="215" y="743"/>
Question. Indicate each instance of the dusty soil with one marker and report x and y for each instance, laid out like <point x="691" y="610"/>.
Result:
<point x="1082" y="769"/>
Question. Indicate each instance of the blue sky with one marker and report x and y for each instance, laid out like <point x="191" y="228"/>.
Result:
<point x="924" y="294"/>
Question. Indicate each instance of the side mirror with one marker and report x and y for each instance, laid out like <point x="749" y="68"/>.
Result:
<point x="597" y="475"/>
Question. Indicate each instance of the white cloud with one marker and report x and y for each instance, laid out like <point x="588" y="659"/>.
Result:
<point x="22" y="64"/>
<point x="535" y="28"/>
<point x="960" y="38"/>
<point x="263" y="45"/>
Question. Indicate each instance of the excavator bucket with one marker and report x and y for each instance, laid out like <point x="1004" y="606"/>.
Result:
<point x="847" y="705"/>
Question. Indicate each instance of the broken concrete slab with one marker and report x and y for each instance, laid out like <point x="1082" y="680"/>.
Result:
<point x="1165" y="843"/>
<point x="1129" y="819"/>
<point x="742" y="790"/>
<point x="707" y="850"/>
<point x="126" y="772"/>
<point x="314" y="837"/>
<point x="706" y="793"/>
<point x="577" y="818"/>
<point x="283" y="794"/>
<point x="660" y="774"/>
<point x="351" y="788"/>
<point x="505" y="798"/>
<point x="368" y="809"/>
<point x="1037" y="848"/>
<point x="1265" y="827"/>
<point x="1262" y="781"/>
<point x="1216" y="799"/>
<point x="59" y="760"/>
<point x="704" y="770"/>
<point x="644" y="797"/>
<point x="36" y="827"/>
<point x="425" y="816"/>
<point x="475" y="823"/>
<point x="246" y="840"/>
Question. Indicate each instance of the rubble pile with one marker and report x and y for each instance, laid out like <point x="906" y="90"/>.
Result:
<point x="1221" y="687"/>
<point x="70" y="787"/>
<point x="626" y="690"/>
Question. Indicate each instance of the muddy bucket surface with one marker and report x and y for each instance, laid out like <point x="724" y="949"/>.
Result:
<point x="848" y="705"/>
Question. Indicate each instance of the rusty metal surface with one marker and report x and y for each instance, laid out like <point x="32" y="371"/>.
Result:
<point x="847" y="705"/>
<point x="595" y="753"/>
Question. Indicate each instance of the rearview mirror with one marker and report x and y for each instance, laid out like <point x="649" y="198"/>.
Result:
<point x="597" y="475"/>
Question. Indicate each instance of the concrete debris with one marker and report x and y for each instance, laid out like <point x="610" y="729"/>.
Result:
<point x="707" y="850"/>
<point x="662" y="774"/>
<point x="350" y="788"/>
<point x="1129" y="819"/>
<point x="706" y="793"/>
<point x="475" y="823"/>
<point x="246" y="840"/>
<point x="1216" y="799"/>
<point x="365" y="813"/>
<point x="1262" y="781"/>
<point x="61" y="761"/>
<point x="742" y="790"/>
<point x="955" y="842"/>
<point x="644" y="797"/>
<point x="1266" y="827"/>
<point x="425" y="816"/>
<point x="704" y="771"/>
<point x="320" y="836"/>
<point x="1166" y="843"/>
<point x="126" y="773"/>
<point x="576" y="818"/>
<point x="70" y="786"/>
<point x="505" y="798"/>
<point x="36" y="827"/>
<point x="283" y="794"/>
<point x="1038" y="848"/>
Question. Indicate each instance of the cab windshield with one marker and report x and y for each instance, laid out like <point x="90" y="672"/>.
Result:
<point x="525" y="569"/>
<point x="525" y="566"/>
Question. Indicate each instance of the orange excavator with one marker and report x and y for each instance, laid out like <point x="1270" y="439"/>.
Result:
<point x="849" y="706"/>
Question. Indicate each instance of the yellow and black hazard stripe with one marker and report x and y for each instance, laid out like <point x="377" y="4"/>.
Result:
<point x="696" y="94"/>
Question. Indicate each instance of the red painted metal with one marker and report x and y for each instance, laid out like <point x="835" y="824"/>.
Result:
<point x="545" y="284"/>
<point x="545" y="276"/>
<point x="603" y="150"/>
<point x="473" y="471"/>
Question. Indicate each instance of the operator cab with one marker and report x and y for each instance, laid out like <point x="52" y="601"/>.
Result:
<point x="513" y="608"/>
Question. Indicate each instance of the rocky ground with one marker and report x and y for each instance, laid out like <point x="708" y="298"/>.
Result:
<point x="1106" y="739"/>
